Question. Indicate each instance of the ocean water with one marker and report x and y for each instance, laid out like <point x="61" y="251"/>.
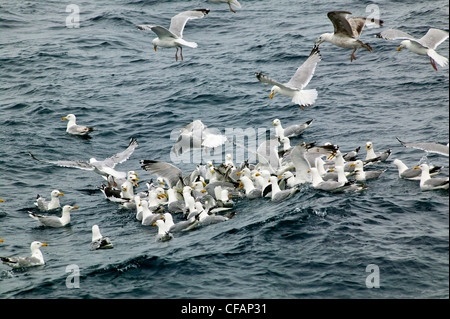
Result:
<point x="312" y="245"/>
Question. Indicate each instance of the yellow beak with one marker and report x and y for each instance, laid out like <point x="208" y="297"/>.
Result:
<point x="399" y="48"/>
<point x="61" y="194"/>
<point x="1" y="240"/>
<point x="416" y="167"/>
<point x="271" y="95"/>
<point x="2" y="200"/>
<point x="154" y="48"/>
<point x="76" y="207"/>
<point x="64" y="118"/>
<point x="44" y="244"/>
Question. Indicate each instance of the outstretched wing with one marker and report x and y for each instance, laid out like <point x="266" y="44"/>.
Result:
<point x="74" y="164"/>
<point x="169" y="172"/>
<point x="357" y="24"/>
<point x="161" y="32"/>
<point x="178" y="22"/>
<point x="305" y="72"/>
<point x="340" y="22"/>
<point x="433" y="38"/>
<point x="394" y="34"/>
<point x="122" y="156"/>
<point x="266" y="80"/>
<point x="428" y="147"/>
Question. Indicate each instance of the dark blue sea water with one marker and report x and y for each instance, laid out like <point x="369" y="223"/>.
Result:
<point x="313" y="245"/>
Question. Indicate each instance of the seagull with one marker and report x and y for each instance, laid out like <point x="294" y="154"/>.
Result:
<point x="361" y="175"/>
<point x="45" y="205"/>
<point x="428" y="147"/>
<point x="290" y="131"/>
<point x="74" y="129"/>
<point x="427" y="183"/>
<point x="104" y="168"/>
<point x="230" y="2"/>
<point x="346" y="30"/>
<point x="53" y="221"/>
<point x="426" y="45"/>
<point x="277" y="194"/>
<point x="163" y="232"/>
<point x="251" y="191"/>
<point x="98" y="241"/>
<point x="36" y="258"/>
<point x="329" y="185"/>
<point x="173" y="37"/>
<point x="371" y="156"/>
<point x="295" y="87"/>
<point x="412" y="173"/>
<point x="197" y="135"/>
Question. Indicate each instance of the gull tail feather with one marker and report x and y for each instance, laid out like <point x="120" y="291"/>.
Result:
<point x="305" y="97"/>
<point x="235" y="3"/>
<point x="439" y="59"/>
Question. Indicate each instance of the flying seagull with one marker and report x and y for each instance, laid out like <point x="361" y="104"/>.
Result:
<point x="346" y="30"/>
<point x="173" y="37"/>
<point x="426" y="45"/>
<point x="295" y="87"/>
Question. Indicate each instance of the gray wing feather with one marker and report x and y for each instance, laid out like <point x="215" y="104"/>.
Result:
<point x="74" y="164"/>
<point x="394" y="34"/>
<point x="305" y="72"/>
<point x="178" y="22"/>
<point x="433" y="38"/>
<point x="340" y="22"/>
<point x="266" y="80"/>
<point x="169" y="172"/>
<point x="122" y="156"/>
<point x="428" y="147"/>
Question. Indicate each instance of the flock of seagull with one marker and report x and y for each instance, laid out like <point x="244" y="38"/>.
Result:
<point x="177" y="202"/>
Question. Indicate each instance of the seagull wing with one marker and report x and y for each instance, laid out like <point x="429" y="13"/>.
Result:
<point x="394" y="34"/>
<point x="433" y="38"/>
<point x="266" y="80"/>
<point x="169" y="172"/>
<point x="122" y="156"/>
<point x="428" y="147"/>
<point x="305" y="72"/>
<point x="161" y="32"/>
<point x="340" y="22"/>
<point x="178" y="22"/>
<point x="74" y="164"/>
<point x="357" y="24"/>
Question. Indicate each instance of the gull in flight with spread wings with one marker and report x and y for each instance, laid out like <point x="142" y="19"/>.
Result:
<point x="426" y="45"/>
<point x="295" y="87"/>
<point x="104" y="168"/>
<point x="173" y="37"/>
<point x="346" y="30"/>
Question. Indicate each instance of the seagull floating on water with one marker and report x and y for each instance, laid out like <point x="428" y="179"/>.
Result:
<point x="53" y="221"/>
<point x="36" y="258"/>
<point x="75" y="129"/>
<point x="45" y="205"/>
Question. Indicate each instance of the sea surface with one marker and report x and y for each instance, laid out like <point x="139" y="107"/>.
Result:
<point x="312" y="245"/>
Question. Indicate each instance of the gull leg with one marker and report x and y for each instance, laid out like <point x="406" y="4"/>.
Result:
<point x="229" y="4"/>
<point x="176" y="55"/>
<point x="302" y="107"/>
<point x="181" y="53"/>
<point x="433" y="64"/>
<point x="352" y="56"/>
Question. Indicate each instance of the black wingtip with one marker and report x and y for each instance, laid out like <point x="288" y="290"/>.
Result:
<point x="205" y="11"/>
